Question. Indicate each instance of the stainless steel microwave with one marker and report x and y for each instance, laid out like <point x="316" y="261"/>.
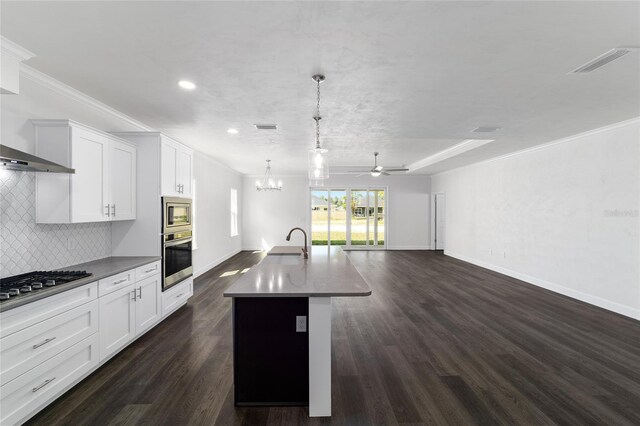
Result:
<point x="176" y="214"/>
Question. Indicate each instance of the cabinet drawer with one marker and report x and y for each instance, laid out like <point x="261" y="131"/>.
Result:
<point x="27" y="348"/>
<point x="115" y="282"/>
<point x="147" y="270"/>
<point x="24" y="316"/>
<point x="177" y="296"/>
<point x="27" y="394"/>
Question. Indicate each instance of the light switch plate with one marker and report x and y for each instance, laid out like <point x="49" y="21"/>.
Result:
<point x="301" y="324"/>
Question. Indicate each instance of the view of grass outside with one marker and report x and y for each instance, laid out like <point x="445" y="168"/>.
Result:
<point x="339" y="211"/>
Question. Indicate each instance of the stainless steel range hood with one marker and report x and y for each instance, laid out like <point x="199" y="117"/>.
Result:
<point x="13" y="159"/>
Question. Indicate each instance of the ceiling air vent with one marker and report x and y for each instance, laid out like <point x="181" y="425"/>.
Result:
<point x="603" y="60"/>
<point x="485" y="129"/>
<point x="266" y="126"/>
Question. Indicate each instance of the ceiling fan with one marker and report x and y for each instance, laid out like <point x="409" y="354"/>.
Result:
<point x="378" y="170"/>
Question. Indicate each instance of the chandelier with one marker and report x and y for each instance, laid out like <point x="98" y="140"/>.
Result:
<point x="268" y="183"/>
<point x="318" y="167"/>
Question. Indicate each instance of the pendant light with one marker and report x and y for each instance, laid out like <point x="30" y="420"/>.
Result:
<point x="318" y="166"/>
<point x="268" y="183"/>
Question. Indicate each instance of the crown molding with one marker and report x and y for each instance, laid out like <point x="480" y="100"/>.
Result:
<point x="51" y="83"/>
<point x="7" y="47"/>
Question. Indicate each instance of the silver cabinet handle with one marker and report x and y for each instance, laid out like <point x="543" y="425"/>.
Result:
<point x="46" y="382"/>
<point x="178" y="188"/>
<point x="134" y="294"/>
<point x="108" y="210"/>
<point x="113" y="210"/>
<point x="149" y="270"/>
<point x="44" y="343"/>
<point x="179" y="296"/>
<point x="140" y="292"/>
<point x="120" y="281"/>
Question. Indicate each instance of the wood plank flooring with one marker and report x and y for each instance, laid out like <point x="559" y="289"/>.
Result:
<point x="440" y="341"/>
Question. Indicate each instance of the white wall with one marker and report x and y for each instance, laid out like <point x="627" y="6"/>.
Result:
<point x="563" y="216"/>
<point x="213" y="213"/>
<point x="268" y="216"/>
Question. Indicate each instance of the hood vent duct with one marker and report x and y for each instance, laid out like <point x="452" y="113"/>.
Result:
<point x="12" y="159"/>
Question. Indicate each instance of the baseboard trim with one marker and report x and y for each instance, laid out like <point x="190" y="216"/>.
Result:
<point x="575" y="294"/>
<point x="213" y="264"/>
<point x="426" y="247"/>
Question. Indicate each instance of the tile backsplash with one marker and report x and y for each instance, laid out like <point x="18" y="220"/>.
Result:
<point x="26" y="246"/>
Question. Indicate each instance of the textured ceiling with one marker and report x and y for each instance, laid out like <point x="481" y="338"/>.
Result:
<point x="407" y="79"/>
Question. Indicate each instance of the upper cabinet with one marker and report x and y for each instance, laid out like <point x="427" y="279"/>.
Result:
<point x="103" y="187"/>
<point x="177" y="165"/>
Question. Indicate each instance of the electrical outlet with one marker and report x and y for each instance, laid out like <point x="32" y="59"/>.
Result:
<point x="301" y="324"/>
<point x="71" y="243"/>
<point x="491" y="252"/>
<point x="504" y="254"/>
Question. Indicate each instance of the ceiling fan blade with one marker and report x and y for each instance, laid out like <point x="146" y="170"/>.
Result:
<point x="396" y="170"/>
<point x="385" y="173"/>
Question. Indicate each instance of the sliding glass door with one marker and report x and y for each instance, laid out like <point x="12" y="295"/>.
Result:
<point x="354" y="218"/>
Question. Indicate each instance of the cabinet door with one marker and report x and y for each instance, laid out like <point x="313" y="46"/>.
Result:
<point x="185" y="160"/>
<point x="89" y="185"/>
<point x="169" y="171"/>
<point x="123" y="181"/>
<point x="148" y="305"/>
<point x="117" y="320"/>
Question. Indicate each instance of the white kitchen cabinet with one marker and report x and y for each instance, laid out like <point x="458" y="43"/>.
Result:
<point x="176" y="296"/>
<point x="177" y="160"/>
<point x="103" y="187"/>
<point x="185" y="161"/>
<point x="30" y="392"/>
<point x="148" y="303"/>
<point x="123" y="180"/>
<point x="127" y="309"/>
<point x="117" y="320"/>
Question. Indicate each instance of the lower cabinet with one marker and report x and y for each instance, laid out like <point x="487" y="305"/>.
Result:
<point x="48" y="346"/>
<point x="117" y="320"/>
<point x="128" y="312"/>
<point x="176" y="296"/>
<point x="30" y="392"/>
<point x="148" y="303"/>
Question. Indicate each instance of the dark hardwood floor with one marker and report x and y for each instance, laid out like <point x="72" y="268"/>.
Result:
<point x="440" y="341"/>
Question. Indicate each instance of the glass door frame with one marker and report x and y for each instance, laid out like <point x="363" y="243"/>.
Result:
<point x="348" y="189"/>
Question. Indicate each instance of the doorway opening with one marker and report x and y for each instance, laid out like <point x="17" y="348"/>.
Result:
<point x="352" y="218"/>
<point x="438" y="221"/>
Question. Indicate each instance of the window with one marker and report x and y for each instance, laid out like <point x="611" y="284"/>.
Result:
<point x="234" y="212"/>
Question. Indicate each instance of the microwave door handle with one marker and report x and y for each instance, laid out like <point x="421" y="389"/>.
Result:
<point x="177" y="242"/>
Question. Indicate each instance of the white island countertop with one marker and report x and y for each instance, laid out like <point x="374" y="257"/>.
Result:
<point x="327" y="273"/>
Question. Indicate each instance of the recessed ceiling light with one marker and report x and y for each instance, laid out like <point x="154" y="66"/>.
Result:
<point x="186" y="84"/>
<point x="232" y="131"/>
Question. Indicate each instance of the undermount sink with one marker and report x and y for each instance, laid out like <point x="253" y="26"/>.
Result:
<point x="285" y="250"/>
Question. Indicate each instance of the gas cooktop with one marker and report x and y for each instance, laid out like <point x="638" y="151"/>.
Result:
<point x="20" y="285"/>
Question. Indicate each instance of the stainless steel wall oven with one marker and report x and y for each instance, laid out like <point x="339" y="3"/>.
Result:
<point x="177" y="240"/>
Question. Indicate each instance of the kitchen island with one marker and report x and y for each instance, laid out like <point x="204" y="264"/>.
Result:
<point x="282" y="327"/>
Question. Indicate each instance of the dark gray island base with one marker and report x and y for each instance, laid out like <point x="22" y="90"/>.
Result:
<point x="282" y="328"/>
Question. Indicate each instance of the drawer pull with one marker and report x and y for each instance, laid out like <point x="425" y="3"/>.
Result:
<point x="121" y="281"/>
<point x="43" y="343"/>
<point x="149" y="270"/>
<point x="179" y="296"/>
<point x="46" y="382"/>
